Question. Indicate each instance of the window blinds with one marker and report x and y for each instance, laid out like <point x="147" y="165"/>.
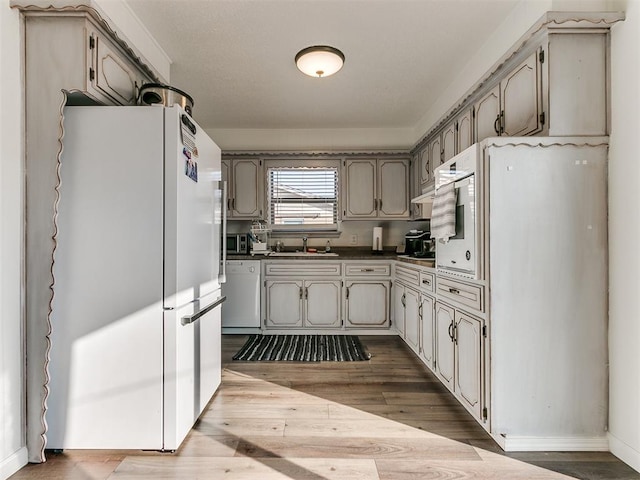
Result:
<point x="303" y="196"/>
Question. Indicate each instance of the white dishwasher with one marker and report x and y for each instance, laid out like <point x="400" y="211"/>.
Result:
<point x="241" y="310"/>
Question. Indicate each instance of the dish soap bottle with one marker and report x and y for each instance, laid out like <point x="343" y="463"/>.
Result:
<point x="327" y="247"/>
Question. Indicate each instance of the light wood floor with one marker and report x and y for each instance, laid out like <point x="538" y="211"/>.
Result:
<point x="386" y="419"/>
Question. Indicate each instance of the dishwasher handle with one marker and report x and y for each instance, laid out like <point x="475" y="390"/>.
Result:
<point x="187" y="319"/>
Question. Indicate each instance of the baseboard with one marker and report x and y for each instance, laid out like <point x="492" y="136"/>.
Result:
<point x="13" y="463"/>
<point x="240" y="330"/>
<point x="624" y="452"/>
<point x="552" y="444"/>
<point x="317" y="331"/>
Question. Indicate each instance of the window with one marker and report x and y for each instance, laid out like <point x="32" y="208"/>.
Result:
<point x="303" y="198"/>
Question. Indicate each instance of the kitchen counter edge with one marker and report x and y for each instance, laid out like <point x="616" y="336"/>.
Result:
<point x="343" y="255"/>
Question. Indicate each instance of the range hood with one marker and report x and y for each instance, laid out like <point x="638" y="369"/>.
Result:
<point x="424" y="203"/>
<point x="424" y="198"/>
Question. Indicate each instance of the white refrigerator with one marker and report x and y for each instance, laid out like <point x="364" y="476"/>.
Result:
<point x="135" y="340"/>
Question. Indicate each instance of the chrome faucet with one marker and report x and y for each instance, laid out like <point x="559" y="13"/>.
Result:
<point x="304" y="244"/>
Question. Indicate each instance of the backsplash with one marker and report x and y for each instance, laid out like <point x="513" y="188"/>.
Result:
<point x="360" y="231"/>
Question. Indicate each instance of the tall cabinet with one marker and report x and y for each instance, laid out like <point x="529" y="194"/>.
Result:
<point x="524" y="347"/>
<point x="547" y="300"/>
<point x="72" y="56"/>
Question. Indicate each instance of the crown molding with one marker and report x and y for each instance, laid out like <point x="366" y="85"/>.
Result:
<point x="314" y="153"/>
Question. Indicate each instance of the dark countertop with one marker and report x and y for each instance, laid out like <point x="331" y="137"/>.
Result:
<point x="423" y="262"/>
<point x="344" y="253"/>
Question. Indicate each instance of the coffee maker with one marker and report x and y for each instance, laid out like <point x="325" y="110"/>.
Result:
<point x="419" y="244"/>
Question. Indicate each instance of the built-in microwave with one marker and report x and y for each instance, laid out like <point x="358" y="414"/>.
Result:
<point x="458" y="255"/>
<point x="237" y="243"/>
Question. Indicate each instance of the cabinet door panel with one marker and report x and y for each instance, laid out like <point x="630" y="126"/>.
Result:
<point x="448" y="142"/>
<point x="521" y="99"/>
<point x="435" y="154"/>
<point x="398" y="309"/>
<point x="322" y="302"/>
<point x="224" y="165"/>
<point x="427" y="329"/>
<point x="468" y="335"/>
<point x="393" y="194"/>
<point x="367" y="303"/>
<point x="114" y="76"/>
<point x="412" y="325"/>
<point x="444" y="345"/>
<point x="465" y="132"/>
<point x="284" y="303"/>
<point x="360" y="193"/>
<point x="487" y="111"/>
<point x="425" y="166"/>
<point x="247" y="188"/>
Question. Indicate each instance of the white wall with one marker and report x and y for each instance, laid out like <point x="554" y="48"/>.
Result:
<point x="128" y="26"/>
<point x="624" y="239"/>
<point x="313" y="139"/>
<point x="13" y="453"/>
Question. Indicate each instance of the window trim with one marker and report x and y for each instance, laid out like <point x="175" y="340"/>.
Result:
<point x="279" y="229"/>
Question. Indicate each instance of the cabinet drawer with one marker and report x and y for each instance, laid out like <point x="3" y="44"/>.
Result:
<point x="469" y="295"/>
<point x="298" y="269"/>
<point x="367" y="270"/>
<point x="408" y="275"/>
<point x="427" y="282"/>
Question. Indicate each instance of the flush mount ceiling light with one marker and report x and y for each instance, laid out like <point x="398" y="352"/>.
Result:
<point x="319" y="60"/>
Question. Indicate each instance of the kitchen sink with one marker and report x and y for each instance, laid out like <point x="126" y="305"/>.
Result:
<point x="303" y="254"/>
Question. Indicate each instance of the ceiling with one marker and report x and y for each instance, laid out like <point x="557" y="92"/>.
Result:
<point x="236" y="57"/>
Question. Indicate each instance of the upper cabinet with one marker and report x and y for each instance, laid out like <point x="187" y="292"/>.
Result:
<point x="375" y="188"/>
<point x="435" y="157"/>
<point x="111" y="74"/>
<point x="88" y="58"/>
<point x="464" y="127"/>
<point x="448" y="142"/>
<point x="553" y="82"/>
<point x="521" y="97"/>
<point x="244" y="188"/>
<point x="426" y="169"/>
<point x="514" y="107"/>
<point x="487" y="111"/>
<point x="444" y="146"/>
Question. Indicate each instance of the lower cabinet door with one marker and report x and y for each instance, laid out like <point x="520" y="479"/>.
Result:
<point x="427" y="329"/>
<point x="284" y="303"/>
<point x="367" y="303"/>
<point x="398" y="309"/>
<point x="411" y="318"/>
<point x="468" y="337"/>
<point x="445" y="318"/>
<point x="322" y="303"/>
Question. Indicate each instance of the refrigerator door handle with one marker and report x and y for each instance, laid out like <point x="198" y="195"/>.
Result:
<point x="222" y="277"/>
<point x="186" y="320"/>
